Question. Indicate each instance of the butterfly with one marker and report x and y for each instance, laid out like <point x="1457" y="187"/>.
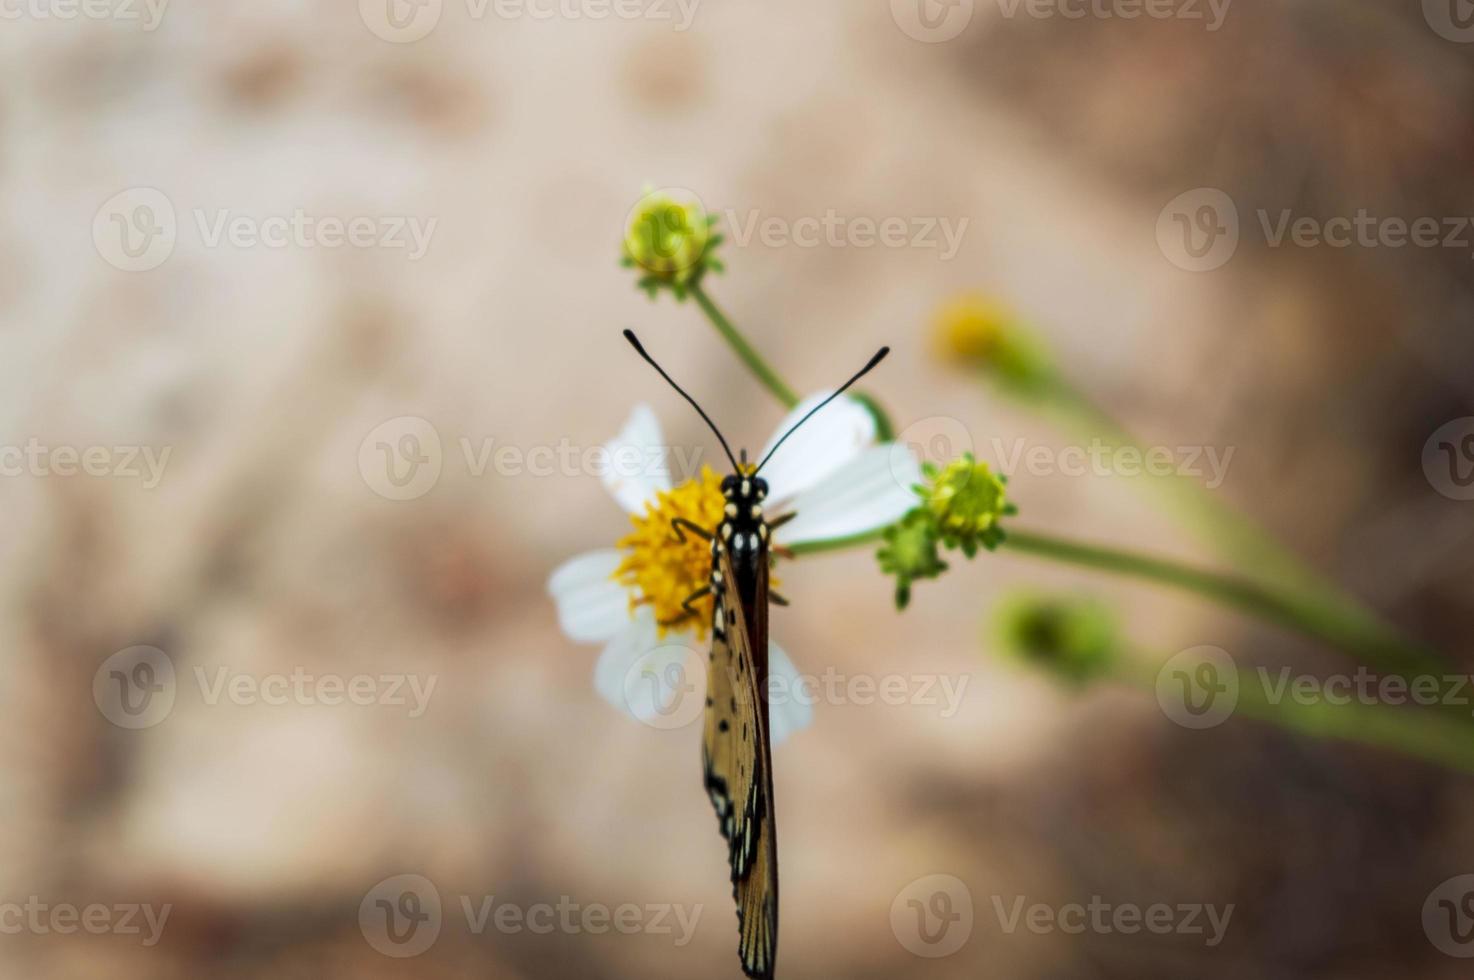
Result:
<point x="736" y="755"/>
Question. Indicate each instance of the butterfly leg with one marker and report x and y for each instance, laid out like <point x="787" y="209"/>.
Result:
<point x="774" y="525"/>
<point x="694" y="597"/>
<point x="777" y="599"/>
<point x="677" y="524"/>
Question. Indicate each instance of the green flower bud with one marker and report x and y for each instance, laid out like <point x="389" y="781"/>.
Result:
<point x="1074" y="639"/>
<point x="670" y="240"/>
<point x="967" y="500"/>
<point x="910" y="553"/>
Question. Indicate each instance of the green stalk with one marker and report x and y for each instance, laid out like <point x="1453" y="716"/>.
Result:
<point x="745" y="351"/>
<point x="1324" y="622"/>
<point x="1432" y="736"/>
<point x="1236" y="536"/>
<point x="1305" y="614"/>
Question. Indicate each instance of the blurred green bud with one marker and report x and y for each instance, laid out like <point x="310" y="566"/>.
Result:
<point x="670" y="241"/>
<point x="1074" y="639"/>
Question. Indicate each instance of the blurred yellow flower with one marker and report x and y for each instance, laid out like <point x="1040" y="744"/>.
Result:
<point x="976" y="330"/>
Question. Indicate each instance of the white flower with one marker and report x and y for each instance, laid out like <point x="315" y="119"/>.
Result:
<point x="831" y="472"/>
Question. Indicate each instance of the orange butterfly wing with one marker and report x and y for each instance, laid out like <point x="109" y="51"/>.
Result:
<point x="738" y="764"/>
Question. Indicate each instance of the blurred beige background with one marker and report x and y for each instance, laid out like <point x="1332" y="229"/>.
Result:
<point x="263" y="549"/>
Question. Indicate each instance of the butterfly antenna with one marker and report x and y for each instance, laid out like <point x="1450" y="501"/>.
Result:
<point x="879" y="356"/>
<point x="639" y="348"/>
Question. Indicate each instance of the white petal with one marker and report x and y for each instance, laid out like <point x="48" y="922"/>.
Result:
<point x="638" y="463"/>
<point x="790" y="700"/>
<point x="871" y="492"/>
<point x="826" y="442"/>
<point x="615" y="663"/>
<point x="592" y="607"/>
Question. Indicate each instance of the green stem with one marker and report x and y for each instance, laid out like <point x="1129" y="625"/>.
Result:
<point x="1303" y="613"/>
<point x="745" y="351"/>
<point x="1325" y="622"/>
<point x="836" y="544"/>
<point x="1236" y="536"/>
<point x="1432" y="736"/>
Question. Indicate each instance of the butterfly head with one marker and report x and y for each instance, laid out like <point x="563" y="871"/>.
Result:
<point x="742" y="487"/>
<point x="743" y="524"/>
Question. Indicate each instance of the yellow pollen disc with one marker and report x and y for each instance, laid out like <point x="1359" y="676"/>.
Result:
<point x="659" y="569"/>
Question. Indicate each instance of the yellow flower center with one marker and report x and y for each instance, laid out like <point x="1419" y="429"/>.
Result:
<point x="662" y="571"/>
